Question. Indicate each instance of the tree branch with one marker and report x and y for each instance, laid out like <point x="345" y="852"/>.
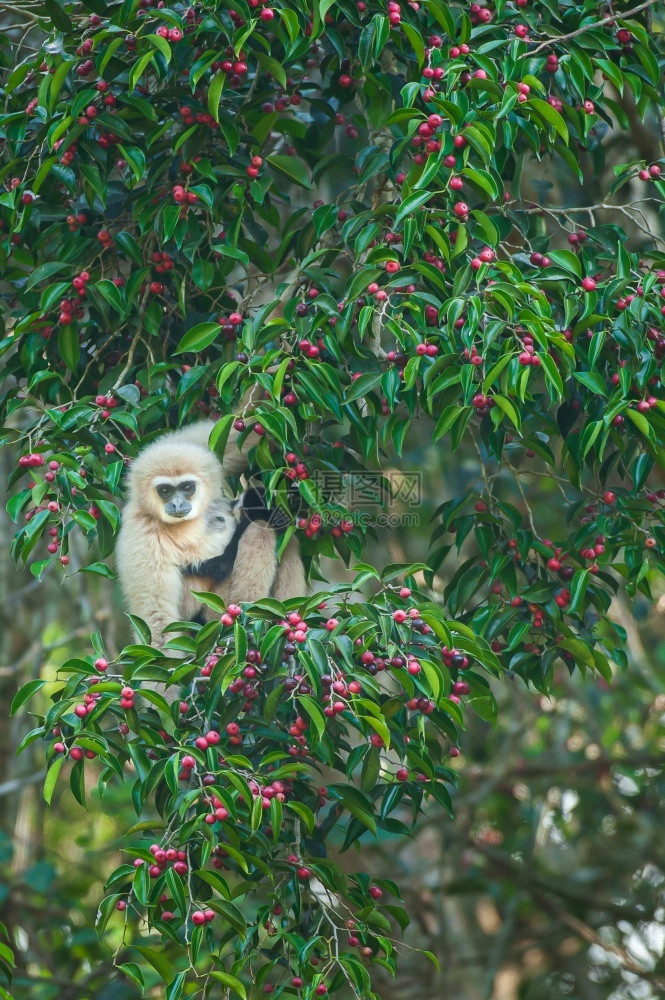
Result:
<point x="556" y="39"/>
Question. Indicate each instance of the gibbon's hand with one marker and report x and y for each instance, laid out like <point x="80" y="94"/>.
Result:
<point x="255" y="508"/>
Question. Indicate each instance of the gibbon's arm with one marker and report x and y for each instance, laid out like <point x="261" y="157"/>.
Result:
<point x="290" y="579"/>
<point x="234" y="461"/>
<point x="255" y="566"/>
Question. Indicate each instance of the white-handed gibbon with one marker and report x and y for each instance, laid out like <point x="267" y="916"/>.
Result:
<point x="180" y="534"/>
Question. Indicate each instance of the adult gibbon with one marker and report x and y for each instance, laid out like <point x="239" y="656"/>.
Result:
<point x="180" y="534"/>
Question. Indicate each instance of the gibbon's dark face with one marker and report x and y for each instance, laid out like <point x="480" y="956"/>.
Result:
<point x="179" y="496"/>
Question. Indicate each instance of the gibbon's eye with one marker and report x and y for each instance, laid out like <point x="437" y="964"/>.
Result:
<point x="165" y="491"/>
<point x="187" y="488"/>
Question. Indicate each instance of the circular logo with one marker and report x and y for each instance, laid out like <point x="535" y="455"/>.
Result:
<point x="276" y="516"/>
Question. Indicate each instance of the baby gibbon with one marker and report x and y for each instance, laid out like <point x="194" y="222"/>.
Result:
<point x="180" y="534"/>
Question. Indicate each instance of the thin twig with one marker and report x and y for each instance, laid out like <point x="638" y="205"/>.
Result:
<point x="137" y="336"/>
<point x="12" y="8"/>
<point x="589" y="935"/>
<point x="518" y="483"/>
<point x="620" y="15"/>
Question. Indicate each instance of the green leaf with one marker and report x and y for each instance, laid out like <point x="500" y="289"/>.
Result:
<point x="228" y="251"/>
<point x="448" y="419"/>
<point x="566" y="259"/>
<point x="45" y="271"/>
<point x="412" y="203"/>
<point x="271" y="65"/>
<point x="578" y="587"/>
<point x="215" y="93"/>
<point x="127" y="243"/>
<point x="321" y="8"/>
<point x="174" y="883"/>
<point x="589" y="435"/>
<point x="314" y="712"/>
<point x="649" y="62"/>
<point x="111" y="48"/>
<point x="161" y="44"/>
<point x="640" y="422"/>
<point x="138" y="68"/>
<point x="362" y="386"/>
<point x="361" y="814"/>
<point x="292" y="167"/>
<point x="551" y="116"/>
<point x="135" y="157"/>
<point x="230" y="982"/>
<point x="25" y="693"/>
<point x="290" y="18"/>
<point x="198" y="338"/>
<point x="58" y="16"/>
<point x="141" y="629"/>
<point x="509" y="409"/>
<point x="483" y="180"/>
<point x="68" y="346"/>
<point x="305" y="814"/>
<point x="442" y="14"/>
<point x="174" y="990"/>
<point x="133" y="971"/>
<point x="593" y="381"/>
<point x="112" y="294"/>
<point x="158" y="961"/>
<point x="552" y="376"/>
<point x="216" y="881"/>
<point x="51" y="778"/>
<point x="496" y="370"/>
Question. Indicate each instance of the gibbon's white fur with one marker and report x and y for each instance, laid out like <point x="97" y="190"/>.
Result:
<point x="155" y="548"/>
